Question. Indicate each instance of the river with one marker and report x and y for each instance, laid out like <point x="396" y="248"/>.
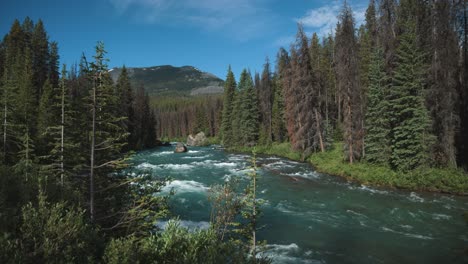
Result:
<point x="310" y="217"/>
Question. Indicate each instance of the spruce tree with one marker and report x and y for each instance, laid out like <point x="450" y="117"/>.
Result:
<point x="249" y="115"/>
<point x="378" y="109"/>
<point x="265" y="96"/>
<point x="348" y="85"/>
<point x="107" y="136"/>
<point x="443" y="97"/>
<point x="40" y="57"/>
<point x="125" y="100"/>
<point x="305" y="121"/>
<point x="411" y="140"/>
<point x="53" y="64"/>
<point x="278" y="118"/>
<point x="227" y="114"/>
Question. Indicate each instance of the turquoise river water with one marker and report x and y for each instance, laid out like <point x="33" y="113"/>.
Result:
<point x="310" y="217"/>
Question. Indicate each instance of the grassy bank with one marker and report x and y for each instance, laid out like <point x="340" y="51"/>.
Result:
<point x="331" y="162"/>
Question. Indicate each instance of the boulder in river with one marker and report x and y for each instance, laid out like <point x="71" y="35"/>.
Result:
<point x="197" y="140"/>
<point x="180" y="148"/>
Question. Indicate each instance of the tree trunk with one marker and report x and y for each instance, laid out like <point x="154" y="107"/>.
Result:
<point x="62" y="132"/>
<point x="5" y="123"/>
<point x="93" y="142"/>
<point x="317" y="121"/>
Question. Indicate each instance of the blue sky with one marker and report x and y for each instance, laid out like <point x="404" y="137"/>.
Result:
<point x="207" y="34"/>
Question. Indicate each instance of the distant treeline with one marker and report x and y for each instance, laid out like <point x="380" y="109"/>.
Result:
<point x="394" y="90"/>
<point x="180" y="116"/>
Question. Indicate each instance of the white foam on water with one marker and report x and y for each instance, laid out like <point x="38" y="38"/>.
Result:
<point x="368" y="189"/>
<point x="176" y="166"/>
<point x="284" y="207"/>
<point x="306" y="175"/>
<point x="190" y="225"/>
<point x="225" y="164"/>
<point x="196" y="157"/>
<point x="204" y="163"/>
<point x="441" y="217"/>
<point x="415" y="198"/>
<point x="407" y="227"/>
<point x="185" y="186"/>
<point x="147" y="165"/>
<point x="279" y="164"/>
<point x="163" y="153"/>
<point x="386" y="229"/>
<point x="356" y="213"/>
<point x="447" y="206"/>
<point x="240" y="172"/>
<point x="285" y="254"/>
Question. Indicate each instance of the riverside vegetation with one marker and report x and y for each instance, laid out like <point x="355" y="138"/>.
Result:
<point x="67" y="139"/>
<point x="386" y="103"/>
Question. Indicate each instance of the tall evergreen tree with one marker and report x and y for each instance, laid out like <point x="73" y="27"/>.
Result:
<point x="378" y="109"/>
<point x="278" y="109"/>
<point x="305" y="122"/>
<point x="348" y="85"/>
<point x="410" y="119"/>
<point x="125" y="98"/>
<point x="53" y="64"/>
<point x="265" y="93"/>
<point x="461" y="22"/>
<point x="249" y="114"/>
<point x="443" y="94"/>
<point x="228" y="105"/>
<point x="40" y="57"/>
<point x="371" y="23"/>
<point x="329" y="84"/>
<point x="107" y="136"/>
<point x="387" y="31"/>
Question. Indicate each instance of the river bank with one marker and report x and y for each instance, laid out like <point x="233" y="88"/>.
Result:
<point x="453" y="181"/>
<point x="311" y="217"/>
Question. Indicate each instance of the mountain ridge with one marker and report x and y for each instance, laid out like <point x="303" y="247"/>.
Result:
<point x="170" y="80"/>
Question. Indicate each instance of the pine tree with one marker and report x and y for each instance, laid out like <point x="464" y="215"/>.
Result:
<point x="265" y="95"/>
<point x="387" y="31"/>
<point x="227" y="115"/>
<point x="107" y="136"/>
<point x="40" y="57"/>
<point x="329" y="86"/>
<point x="443" y="96"/>
<point x="125" y="98"/>
<point x="12" y="77"/>
<point x="410" y="119"/>
<point x="371" y="23"/>
<point x="53" y="64"/>
<point x="305" y="122"/>
<point x="278" y="118"/>
<point x="249" y="115"/>
<point x="378" y="108"/>
<point x="145" y="121"/>
<point x="348" y="85"/>
<point x="236" y="116"/>
<point x="461" y="22"/>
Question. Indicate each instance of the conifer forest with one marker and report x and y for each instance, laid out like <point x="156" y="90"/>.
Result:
<point x="383" y="103"/>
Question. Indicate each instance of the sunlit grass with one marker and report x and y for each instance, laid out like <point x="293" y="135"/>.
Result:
<point x="331" y="162"/>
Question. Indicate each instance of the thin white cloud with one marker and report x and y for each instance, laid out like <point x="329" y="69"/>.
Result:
<point x="323" y="20"/>
<point x="242" y="19"/>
